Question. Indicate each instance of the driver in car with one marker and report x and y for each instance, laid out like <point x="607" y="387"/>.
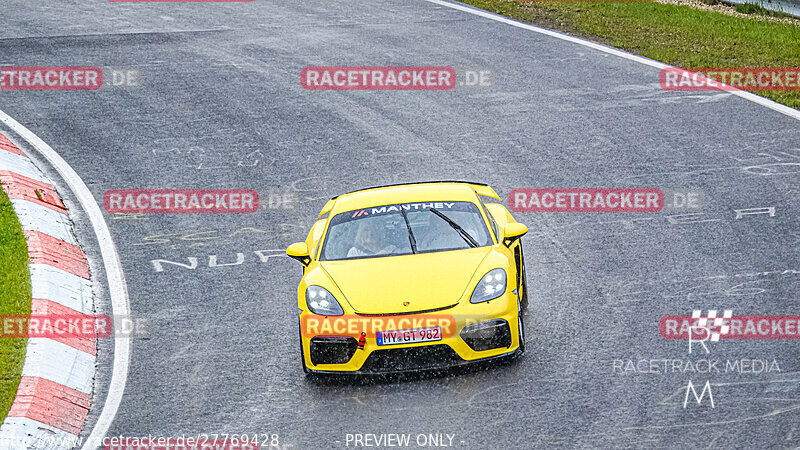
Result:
<point x="370" y="240"/>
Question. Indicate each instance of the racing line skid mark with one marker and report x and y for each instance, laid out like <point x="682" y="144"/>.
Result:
<point x="171" y="240"/>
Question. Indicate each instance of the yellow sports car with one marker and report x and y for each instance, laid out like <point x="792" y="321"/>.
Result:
<point x="411" y="277"/>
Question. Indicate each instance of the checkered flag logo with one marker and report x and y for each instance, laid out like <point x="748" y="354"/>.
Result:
<point x="716" y="323"/>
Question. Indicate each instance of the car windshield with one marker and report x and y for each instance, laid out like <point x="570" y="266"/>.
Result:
<point x="404" y="229"/>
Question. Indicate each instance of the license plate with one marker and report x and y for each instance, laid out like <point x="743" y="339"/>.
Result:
<point x="410" y="336"/>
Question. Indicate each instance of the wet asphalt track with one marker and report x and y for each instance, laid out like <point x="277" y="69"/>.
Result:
<point x="221" y="106"/>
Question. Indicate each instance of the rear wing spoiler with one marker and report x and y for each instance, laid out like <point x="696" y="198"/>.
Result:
<point x="479" y="188"/>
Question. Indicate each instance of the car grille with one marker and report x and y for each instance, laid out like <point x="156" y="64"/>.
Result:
<point x="487" y="335"/>
<point x="414" y="358"/>
<point x="332" y="350"/>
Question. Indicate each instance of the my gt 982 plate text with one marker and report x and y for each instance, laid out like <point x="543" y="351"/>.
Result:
<point x="409" y="336"/>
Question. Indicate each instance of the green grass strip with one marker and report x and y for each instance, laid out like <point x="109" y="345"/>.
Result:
<point x="15" y="299"/>
<point x="677" y="35"/>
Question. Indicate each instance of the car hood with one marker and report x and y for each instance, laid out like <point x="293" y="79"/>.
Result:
<point x="424" y="281"/>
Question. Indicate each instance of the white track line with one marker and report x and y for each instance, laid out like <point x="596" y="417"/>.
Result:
<point x="783" y="109"/>
<point x="120" y="304"/>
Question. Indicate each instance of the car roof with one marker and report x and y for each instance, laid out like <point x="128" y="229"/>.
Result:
<point x="405" y="193"/>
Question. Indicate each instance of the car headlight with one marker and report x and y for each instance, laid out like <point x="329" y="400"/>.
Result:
<point x="491" y="286"/>
<point x="322" y="302"/>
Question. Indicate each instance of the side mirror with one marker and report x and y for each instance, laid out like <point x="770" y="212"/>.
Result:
<point x="512" y="232"/>
<point x="299" y="251"/>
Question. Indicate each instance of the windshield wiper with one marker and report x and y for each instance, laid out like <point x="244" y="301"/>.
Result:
<point x="410" y="233"/>
<point x="461" y="232"/>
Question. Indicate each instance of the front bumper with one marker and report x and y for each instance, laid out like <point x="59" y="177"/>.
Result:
<point x="441" y="364"/>
<point x="480" y="332"/>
